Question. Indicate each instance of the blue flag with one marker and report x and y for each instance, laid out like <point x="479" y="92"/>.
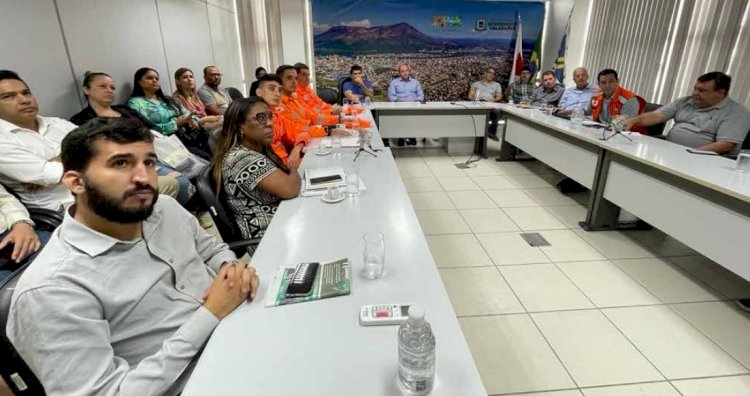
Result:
<point x="560" y="60"/>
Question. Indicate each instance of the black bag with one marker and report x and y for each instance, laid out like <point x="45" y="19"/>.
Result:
<point x="195" y="140"/>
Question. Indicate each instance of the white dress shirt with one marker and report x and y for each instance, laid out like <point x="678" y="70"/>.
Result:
<point x="94" y="315"/>
<point x="25" y="158"/>
<point x="11" y="211"/>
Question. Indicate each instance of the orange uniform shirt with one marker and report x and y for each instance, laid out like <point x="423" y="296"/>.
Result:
<point x="312" y="102"/>
<point x="292" y="125"/>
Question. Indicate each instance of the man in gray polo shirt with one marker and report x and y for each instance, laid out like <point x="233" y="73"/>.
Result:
<point x="488" y="90"/>
<point x="549" y="91"/>
<point x="708" y="120"/>
<point x="215" y="98"/>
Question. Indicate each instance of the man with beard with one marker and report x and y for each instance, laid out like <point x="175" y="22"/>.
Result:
<point x="215" y="98"/>
<point x="130" y="287"/>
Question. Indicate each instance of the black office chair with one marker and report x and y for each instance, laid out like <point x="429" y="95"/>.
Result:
<point x="328" y="95"/>
<point x="341" y="88"/>
<point x="234" y="93"/>
<point x="15" y="372"/>
<point x="213" y="140"/>
<point x="656" y="130"/>
<point x="221" y="215"/>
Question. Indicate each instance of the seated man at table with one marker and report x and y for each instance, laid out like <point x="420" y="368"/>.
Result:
<point x="548" y="92"/>
<point x="614" y="101"/>
<point x="306" y="94"/>
<point x="488" y="90"/>
<point x="290" y="136"/>
<point x="118" y="302"/>
<point x="578" y="95"/>
<point x="294" y="109"/>
<point x="521" y="89"/>
<point x="405" y="89"/>
<point x="30" y="149"/>
<point x="358" y="88"/>
<point x="708" y="120"/>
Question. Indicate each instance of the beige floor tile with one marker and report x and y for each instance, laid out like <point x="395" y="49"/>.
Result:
<point x="716" y="276"/>
<point x="407" y="160"/>
<point x="481" y="170"/>
<point x="460" y="250"/>
<point x="495" y="182"/>
<point x="511" y="198"/>
<point x="534" y="218"/>
<point x="512" y="356"/>
<point x="565" y="245"/>
<point x="725" y="386"/>
<point x="724" y="323"/>
<point x="571" y="392"/>
<point x="414" y="170"/>
<point x="430" y="201"/>
<point x="606" y="285"/>
<point x="569" y="215"/>
<point x="479" y="291"/>
<point x="457" y="183"/>
<point x="488" y="220"/>
<point x="471" y="200"/>
<point x="666" y="282"/>
<point x="676" y="348"/>
<point x="648" y="389"/>
<point x="615" y="244"/>
<point x="421" y="184"/>
<point x="661" y="243"/>
<point x="442" y="222"/>
<point x="542" y="287"/>
<point x="593" y="350"/>
<point x="446" y="170"/>
<point x="512" y="168"/>
<point x="550" y="197"/>
<point x="531" y="181"/>
<point x="510" y="249"/>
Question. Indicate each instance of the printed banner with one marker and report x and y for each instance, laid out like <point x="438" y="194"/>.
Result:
<point x="447" y="44"/>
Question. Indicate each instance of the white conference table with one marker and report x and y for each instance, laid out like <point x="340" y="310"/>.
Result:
<point x="319" y="348"/>
<point x="462" y="122"/>
<point x="697" y="199"/>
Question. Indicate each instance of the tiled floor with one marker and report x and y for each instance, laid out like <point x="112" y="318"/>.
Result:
<point x="604" y="314"/>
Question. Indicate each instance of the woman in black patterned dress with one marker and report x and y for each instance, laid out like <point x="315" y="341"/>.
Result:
<point x="247" y="171"/>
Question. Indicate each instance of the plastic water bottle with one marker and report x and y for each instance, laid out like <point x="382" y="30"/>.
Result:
<point x="577" y="117"/>
<point x="416" y="354"/>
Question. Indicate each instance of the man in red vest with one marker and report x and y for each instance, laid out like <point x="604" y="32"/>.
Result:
<point x="615" y="100"/>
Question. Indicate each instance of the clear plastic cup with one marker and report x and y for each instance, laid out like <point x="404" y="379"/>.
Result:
<point x="352" y="182"/>
<point x="336" y="145"/>
<point x="374" y="255"/>
<point x="743" y="162"/>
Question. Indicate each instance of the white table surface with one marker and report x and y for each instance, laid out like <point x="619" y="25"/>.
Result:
<point x="714" y="172"/>
<point x="460" y="105"/>
<point x="319" y="348"/>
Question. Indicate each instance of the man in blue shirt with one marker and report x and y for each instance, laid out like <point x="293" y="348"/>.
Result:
<point x="405" y="89"/>
<point x="358" y="87"/>
<point x="580" y="94"/>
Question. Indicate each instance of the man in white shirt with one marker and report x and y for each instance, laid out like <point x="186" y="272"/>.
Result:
<point x="118" y="303"/>
<point x="30" y="149"/>
<point x="30" y="146"/>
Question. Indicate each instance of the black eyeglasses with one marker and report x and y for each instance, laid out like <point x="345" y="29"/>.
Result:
<point x="263" y="118"/>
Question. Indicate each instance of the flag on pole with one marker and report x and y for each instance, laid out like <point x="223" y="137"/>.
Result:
<point x="560" y="60"/>
<point x="535" y="60"/>
<point x="518" y="52"/>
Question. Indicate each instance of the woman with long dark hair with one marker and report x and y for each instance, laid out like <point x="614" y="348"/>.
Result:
<point x="99" y="90"/>
<point x="248" y="173"/>
<point x="166" y="114"/>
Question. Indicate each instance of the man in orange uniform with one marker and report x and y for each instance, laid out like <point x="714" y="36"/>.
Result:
<point x="306" y="94"/>
<point x="289" y="137"/>
<point x="296" y="110"/>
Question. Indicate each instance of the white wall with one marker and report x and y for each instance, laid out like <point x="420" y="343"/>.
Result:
<point x="557" y="18"/>
<point x="292" y="31"/>
<point x="576" y="38"/>
<point x="54" y="42"/>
